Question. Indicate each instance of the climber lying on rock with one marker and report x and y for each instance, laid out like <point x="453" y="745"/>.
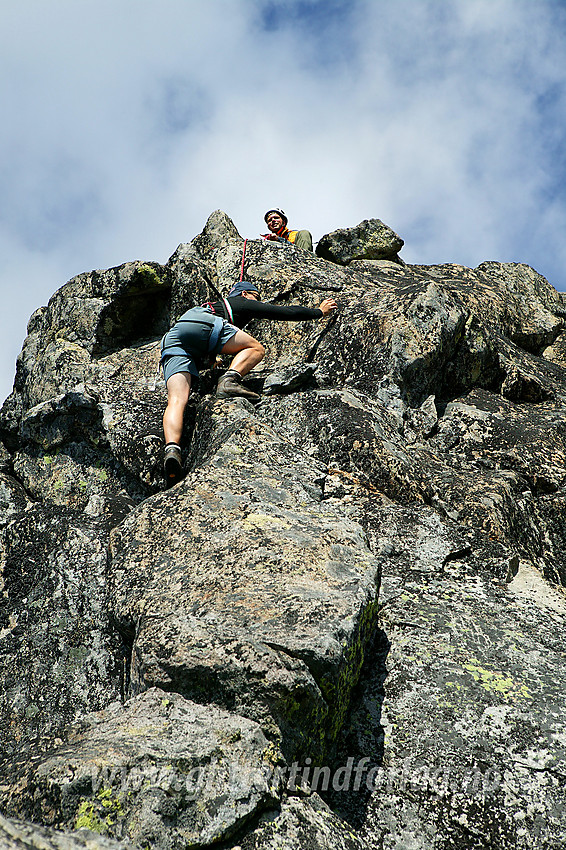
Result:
<point x="203" y="332"/>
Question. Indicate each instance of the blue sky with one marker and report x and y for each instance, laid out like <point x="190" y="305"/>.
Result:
<point x="127" y="122"/>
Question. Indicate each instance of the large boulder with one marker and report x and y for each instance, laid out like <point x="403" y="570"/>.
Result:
<point x="472" y="670"/>
<point x="260" y="597"/>
<point x="159" y="771"/>
<point x="17" y="835"/>
<point x="371" y="239"/>
<point x="59" y="656"/>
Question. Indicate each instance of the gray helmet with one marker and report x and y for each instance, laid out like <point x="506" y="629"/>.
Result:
<point x="278" y="211"/>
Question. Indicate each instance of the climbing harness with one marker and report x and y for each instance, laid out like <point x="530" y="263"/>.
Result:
<point x="227" y="309"/>
<point x="207" y="329"/>
<point x="211" y="324"/>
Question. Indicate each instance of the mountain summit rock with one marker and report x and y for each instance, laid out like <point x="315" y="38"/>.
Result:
<point x="344" y="628"/>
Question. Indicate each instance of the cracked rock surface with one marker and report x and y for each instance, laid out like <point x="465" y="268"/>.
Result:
<point x="344" y="627"/>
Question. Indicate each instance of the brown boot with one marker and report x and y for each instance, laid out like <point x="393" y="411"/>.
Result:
<point x="230" y="386"/>
<point x="172" y="464"/>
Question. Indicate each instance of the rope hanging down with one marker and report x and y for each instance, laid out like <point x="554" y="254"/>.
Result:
<point x="243" y="258"/>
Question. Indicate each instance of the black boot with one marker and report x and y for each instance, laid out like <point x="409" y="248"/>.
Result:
<point x="230" y="385"/>
<point x="172" y="464"/>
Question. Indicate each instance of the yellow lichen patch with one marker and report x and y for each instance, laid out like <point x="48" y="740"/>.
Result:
<point x="141" y="731"/>
<point x="498" y="683"/>
<point x="89" y="818"/>
<point x="271" y="754"/>
<point x="262" y="520"/>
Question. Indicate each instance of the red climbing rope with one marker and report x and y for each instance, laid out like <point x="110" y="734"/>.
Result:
<point x="243" y="258"/>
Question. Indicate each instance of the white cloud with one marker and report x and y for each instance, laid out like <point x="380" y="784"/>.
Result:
<point x="126" y="122"/>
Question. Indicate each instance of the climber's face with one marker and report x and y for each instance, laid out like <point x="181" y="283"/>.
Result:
<point x="274" y="222"/>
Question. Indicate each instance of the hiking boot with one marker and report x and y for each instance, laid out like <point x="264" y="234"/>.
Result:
<point x="172" y="464"/>
<point x="230" y="386"/>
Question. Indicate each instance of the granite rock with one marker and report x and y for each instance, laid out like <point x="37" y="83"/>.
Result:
<point x="157" y="771"/>
<point x="362" y="576"/>
<point x="371" y="239"/>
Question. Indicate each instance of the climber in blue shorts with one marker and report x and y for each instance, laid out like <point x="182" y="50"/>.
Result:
<point x="203" y="332"/>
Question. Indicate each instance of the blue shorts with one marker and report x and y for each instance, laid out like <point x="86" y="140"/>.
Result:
<point x="174" y="363"/>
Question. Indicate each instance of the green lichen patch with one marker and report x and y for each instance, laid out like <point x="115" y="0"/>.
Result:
<point x="497" y="683"/>
<point x="99" y="814"/>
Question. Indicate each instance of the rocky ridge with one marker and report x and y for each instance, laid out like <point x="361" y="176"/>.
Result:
<point x="344" y="627"/>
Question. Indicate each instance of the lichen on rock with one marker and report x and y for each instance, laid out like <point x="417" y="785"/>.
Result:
<point x="344" y="627"/>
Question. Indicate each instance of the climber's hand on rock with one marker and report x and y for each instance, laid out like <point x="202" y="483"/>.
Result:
<point x="328" y="306"/>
